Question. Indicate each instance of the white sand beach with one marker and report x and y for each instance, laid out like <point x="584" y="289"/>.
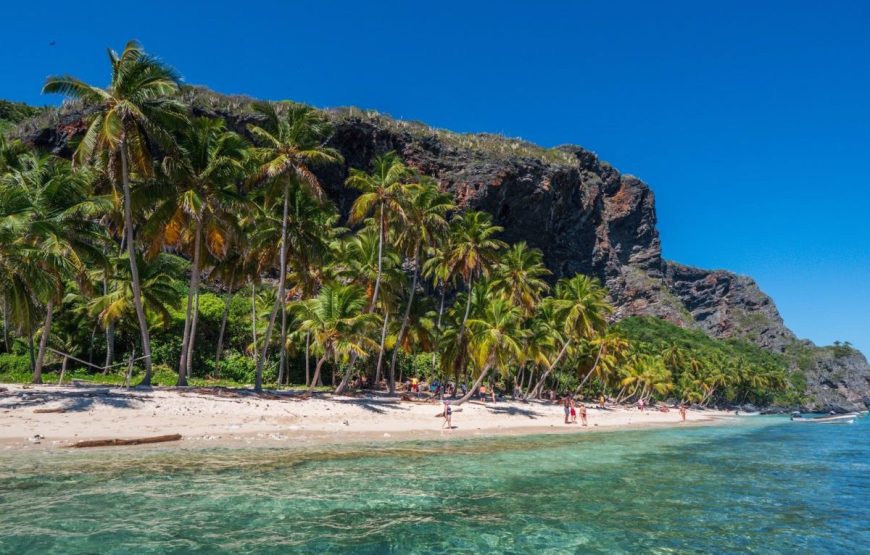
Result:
<point x="233" y="417"/>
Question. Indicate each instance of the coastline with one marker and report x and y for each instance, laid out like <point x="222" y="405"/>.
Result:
<point x="226" y="418"/>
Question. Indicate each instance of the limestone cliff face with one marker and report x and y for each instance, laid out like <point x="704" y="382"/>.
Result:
<point x="582" y="213"/>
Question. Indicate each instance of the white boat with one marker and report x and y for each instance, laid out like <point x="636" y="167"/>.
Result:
<point x="832" y="419"/>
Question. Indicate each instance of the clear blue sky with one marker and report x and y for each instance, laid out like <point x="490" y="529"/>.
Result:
<point x="750" y="120"/>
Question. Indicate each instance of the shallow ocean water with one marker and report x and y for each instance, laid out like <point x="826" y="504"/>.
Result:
<point x="763" y="486"/>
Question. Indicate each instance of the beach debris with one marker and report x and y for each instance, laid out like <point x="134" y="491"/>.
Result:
<point x="45" y="411"/>
<point x="137" y="441"/>
<point x="346" y="423"/>
<point x="36" y="438"/>
<point x="278" y="437"/>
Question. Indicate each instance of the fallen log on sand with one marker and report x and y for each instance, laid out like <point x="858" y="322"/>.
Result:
<point x="44" y="411"/>
<point x="114" y="442"/>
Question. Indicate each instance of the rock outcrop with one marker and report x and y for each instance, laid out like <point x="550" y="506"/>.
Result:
<point x="581" y="212"/>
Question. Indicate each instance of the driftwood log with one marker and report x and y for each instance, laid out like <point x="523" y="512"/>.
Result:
<point x="45" y="411"/>
<point x="114" y="442"/>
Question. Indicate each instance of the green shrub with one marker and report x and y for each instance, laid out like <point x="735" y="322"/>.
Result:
<point x="15" y="368"/>
<point x="237" y="367"/>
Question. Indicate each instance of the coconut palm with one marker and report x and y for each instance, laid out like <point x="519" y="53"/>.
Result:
<point x="382" y="194"/>
<point x="198" y="215"/>
<point x="519" y="276"/>
<point x="473" y="252"/>
<point x="290" y="143"/>
<point x="55" y="219"/>
<point x="583" y="309"/>
<point x="497" y="339"/>
<point x="124" y="123"/>
<point x="338" y="323"/>
<point x="423" y="227"/>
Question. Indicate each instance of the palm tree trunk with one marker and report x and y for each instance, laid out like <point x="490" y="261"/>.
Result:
<point x="220" y="343"/>
<point x="592" y="371"/>
<point x="474" y="387"/>
<point x="93" y="340"/>
<point x="282" y="359"/>
<point x="380" y="261"/>
<point x="381" y="353"/>
<point x="136" y="284"/>
<point x="191" y="342"/>
<point x="537" y="389"/>
<point x="187" y="336"/>
<point x="254" y="350"/>
<point x="62" y="369"/>
<point x="307" y="357"/>
<point x="110" y="346"/>
<point x="282" y="278"/>
<point x="6" y="324"/>
<point x="317" y="371"/>
<point x="405" y="319"/>
<point x="43" y="342"/>
<point x="460" y="365"/>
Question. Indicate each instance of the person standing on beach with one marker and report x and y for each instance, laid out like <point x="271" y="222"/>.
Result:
<point x="683" y="411"/>
<point x="573" y="410"/>
<point x="566" y="402"/>
<point x="583" y="414"/>
<point x="448" y="416"/>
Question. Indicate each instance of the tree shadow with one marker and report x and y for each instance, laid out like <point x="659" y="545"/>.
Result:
<point x="70" y="401"/>
<point x="514" y="411"/>
<point x="377" y="406"/>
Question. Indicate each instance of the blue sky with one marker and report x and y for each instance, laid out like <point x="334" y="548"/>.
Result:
<point x="750" y="120"/>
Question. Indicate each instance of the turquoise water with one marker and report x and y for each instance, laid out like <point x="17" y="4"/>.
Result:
<point x="766" y="486"/>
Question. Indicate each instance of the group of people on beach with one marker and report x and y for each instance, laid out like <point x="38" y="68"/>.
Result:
<point x="571" y="410"/>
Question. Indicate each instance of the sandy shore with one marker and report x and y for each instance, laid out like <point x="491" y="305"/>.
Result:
<point x="210" y="418"/>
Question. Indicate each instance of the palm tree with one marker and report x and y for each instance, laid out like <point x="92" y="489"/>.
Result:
<point x="497" y="339"/>
<point x="473" y="253"/>
<point x="583" y="308"/>
<point x="424" y="225"/>
<point x="383" y="192"/>
<point x="519" y="276"/>
<point x="123" y="122"/>
<point x="200" y="211"/>
<point x="57" y="222"/>
<point x="290" y="143"/>
<point x="338" y="324"/>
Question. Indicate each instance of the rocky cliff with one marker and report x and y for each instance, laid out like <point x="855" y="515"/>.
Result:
<point x="581" y="212"/>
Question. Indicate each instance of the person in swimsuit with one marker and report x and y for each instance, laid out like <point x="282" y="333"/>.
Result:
<point x="448" y="416"/>
<point x="583" y="414"/>
<point x="683" y="411"/>
<point x="567" y="404"/>
<point x="573" y="411"/>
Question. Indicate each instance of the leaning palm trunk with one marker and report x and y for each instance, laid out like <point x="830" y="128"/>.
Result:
<point x="405" y="319"/>
<point x="317" y="368"/>
<point x="187" y="335"/>
<point x="592" y="371"/>
<point x="536" y="392"/>
<point x="474" y="387"/>
<point x="43" y="342"/>
<point x="62" y="370"/>
<point x="282" y="279"/>
<point x="136" y="283"/>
